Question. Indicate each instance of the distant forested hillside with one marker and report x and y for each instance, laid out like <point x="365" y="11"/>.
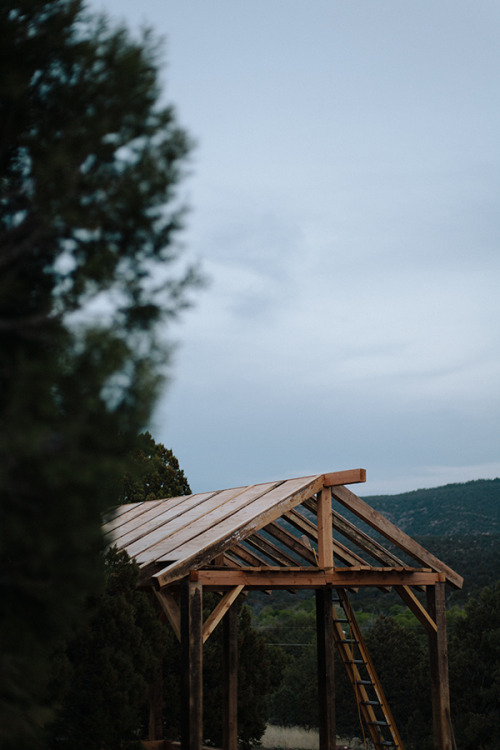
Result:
<point x="454" y="509"/>
<point x="459" y="523"/>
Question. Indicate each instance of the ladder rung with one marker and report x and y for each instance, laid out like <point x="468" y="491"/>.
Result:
<point x="340" y="619"/>
<point x="356" y="661"/>
<point x="364" y="682"/>
<point x="348" y="640"/>
<point x="379" y="723"/>
<point x="370" y="703"/>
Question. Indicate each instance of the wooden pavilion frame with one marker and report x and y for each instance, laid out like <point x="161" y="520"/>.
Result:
<point x="285" y="535"/>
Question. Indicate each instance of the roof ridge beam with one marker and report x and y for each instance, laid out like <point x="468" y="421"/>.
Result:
<point x="349" y="476"/>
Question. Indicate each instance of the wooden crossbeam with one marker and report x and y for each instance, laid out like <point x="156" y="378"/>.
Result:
<point x="308" y="577"/>
<point x="220" y="610"/>
<point x="417" y="608"/>
<point x="171" y="609"/>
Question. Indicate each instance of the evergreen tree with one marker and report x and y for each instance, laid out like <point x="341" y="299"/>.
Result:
<point x="89" y="163"/>
<point x="475" y="672"/>
<point x="153" y="473"/>
<point x="400" y="657"/>
<point x="112" y="662"/>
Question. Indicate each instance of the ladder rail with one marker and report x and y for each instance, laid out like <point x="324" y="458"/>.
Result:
<point x="346" y="648"/>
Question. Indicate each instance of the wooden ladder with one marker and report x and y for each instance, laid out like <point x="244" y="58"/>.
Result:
<point x="370" y="697"/>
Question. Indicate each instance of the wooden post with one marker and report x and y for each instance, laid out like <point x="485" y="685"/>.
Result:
<point x="156" y="707"/>
<point x="438" y="652"/>
<point x="325" y="539"/>
<point x="230" y="677"/>
<point x="192" y="665"/>
<point x="325" y="651"/>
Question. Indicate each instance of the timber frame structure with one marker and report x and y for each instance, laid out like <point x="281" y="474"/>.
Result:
<point x="285" y="535"/>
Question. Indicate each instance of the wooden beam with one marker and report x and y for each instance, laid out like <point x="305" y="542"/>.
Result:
<point x="292" y="542"/>
<point x="308" y="577"/>
<point x="342" y="553"/>
<point x="155" y="725"/>
<point x="220" y="610"/>
<point x="350" y="476"/>
<point x="438" y="652"/>
<point x="247" y="556"/>
<point x="171" y="609"/>
<point x="364" y="541"/>
<point x="192" y="665"/>
<point x="417" y="608"/>
<point x="377" y="521"/>
<point x="325" y="539"/>
<point x="230" y="677"/>
<point x="326" y="683"/>
<point x="269" y="549"/>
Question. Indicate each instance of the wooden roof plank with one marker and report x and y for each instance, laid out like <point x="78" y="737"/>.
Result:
<point x="154" y="508"/>
<point x="195" y="525"/>
<point x="188" y="524"/>
<point x="159" y="516"/>
<point x="124" y="513"/>
<point x="263" y="506"/>
<point x="255" y="501"/>
<point x="377" y="521"/>
<point x="258" y="515"/>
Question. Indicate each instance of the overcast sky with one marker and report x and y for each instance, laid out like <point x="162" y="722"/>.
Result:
<point x="344" y="204"/>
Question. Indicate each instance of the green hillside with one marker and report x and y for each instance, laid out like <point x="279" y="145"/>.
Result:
<point x="454" y="509"/>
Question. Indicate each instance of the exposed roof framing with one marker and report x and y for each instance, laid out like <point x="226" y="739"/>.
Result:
<point x="274" y="534"/>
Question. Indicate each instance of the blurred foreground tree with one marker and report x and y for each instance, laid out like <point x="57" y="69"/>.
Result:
<point x="89" y="163"/>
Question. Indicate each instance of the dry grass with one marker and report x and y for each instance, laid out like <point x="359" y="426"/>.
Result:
<point x="290" y="738"/>
<point x="297" y="738"/>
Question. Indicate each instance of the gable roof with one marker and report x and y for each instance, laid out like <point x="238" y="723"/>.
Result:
<point x="259" y="527"/>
